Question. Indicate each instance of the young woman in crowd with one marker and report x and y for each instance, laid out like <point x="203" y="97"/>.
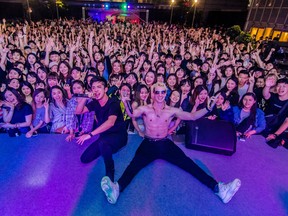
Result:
<point x="199" y="98"/>
<point x="77" y="125"/>
<point x="27" y="91"/>
<point x="185" y="87"/>
<point x="149" y="79"/>
<point x="41" y="117"/>
<point x="14" y="73"/>
<point x="14" y="83"/>
<point x="32" y="78"/>
<point x="17" y="115"/>
<point x="171" y="84"/>
<point x="31" y="60"/>
<point x="142" y="98"/>
<point x="64" y="71"/>
<point x="125" y="90"/>
<point x="132" y="79"/>
<point x="248" y="119"/>
<point x="231" y="91"/>
<point x="222" y="109"/>
<point x="229" y="72"/>
<point x="42" y="73"/>
<point x="58" y="108"/>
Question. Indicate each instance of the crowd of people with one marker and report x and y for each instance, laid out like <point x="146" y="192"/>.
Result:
<point x="45" y="66"/>
<point x="83" y="78"/>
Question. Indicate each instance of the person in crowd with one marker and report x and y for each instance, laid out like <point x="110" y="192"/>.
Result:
<point x="17" y="115"/>
<point x="231" y="91"/>
<point x="222" y="109"/>
<point x="279" y="138"/>
<point x="32" y="78"/>
<point x="58" y="106"/>
<point x="248" y="119"/>
<point x="277" y="104"/>
<point x="199" y="98"/>
<point x="149" y="79"/>
<point x="111" y="127"/>
<point x="41" y="118"/>
<point x="27" y="91"/>
<point x="142" y="98"/>
<point x="77" y="125"/>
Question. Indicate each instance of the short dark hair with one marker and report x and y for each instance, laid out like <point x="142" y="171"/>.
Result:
<point x="99" y="79"/>
<point x="283" y="80"/>
<point x="54" y="53"/>
<point x="244" y="72"/>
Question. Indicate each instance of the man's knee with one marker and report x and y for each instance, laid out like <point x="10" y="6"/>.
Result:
<point x="84" y="159"/>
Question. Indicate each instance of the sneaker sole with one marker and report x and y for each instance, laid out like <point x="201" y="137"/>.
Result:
<point x="107" y="189"/>
<point x="236" y="184"/>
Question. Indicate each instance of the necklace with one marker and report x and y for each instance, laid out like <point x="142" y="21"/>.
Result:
<point x="156" y="111"/>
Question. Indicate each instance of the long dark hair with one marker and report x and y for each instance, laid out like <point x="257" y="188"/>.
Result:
<point x="252" y="117"/>
<point x="64" y="101"/>
<point x="130" y="88"/>
<point x="36" y="92"/>
<point x="19" y="97"/>
<point x="137" y="94"/>
<point x="26" y="83"/>
<point x="235" y="90"/>
<point x="197" y="92"/>
<point x="79" y="82"/>
<point x="177" y="105"/>
<point x="62" y="78"/>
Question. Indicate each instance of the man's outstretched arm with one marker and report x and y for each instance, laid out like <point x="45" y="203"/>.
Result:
<point x="198" y="114"/>
<point x="190" y="116"/>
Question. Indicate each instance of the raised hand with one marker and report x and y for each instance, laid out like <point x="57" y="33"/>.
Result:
<point x="212" y="101"/>
<point x="46" y="103"/>
<point x="225" y="106"/>
<point x="252" y="79"/>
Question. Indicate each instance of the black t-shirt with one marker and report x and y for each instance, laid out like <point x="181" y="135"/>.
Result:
<point x="274" y="105"/>
<point x="20" y="113"/>
<point x="112" y="107"/>
<point x="2" y="76"/>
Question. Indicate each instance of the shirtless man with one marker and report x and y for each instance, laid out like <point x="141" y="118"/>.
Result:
<point x="157" y="117"/>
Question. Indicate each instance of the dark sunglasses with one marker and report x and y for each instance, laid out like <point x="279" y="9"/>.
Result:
<point x="160" y="92"/>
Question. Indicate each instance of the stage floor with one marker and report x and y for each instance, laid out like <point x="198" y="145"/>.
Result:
<point x="43" y="176"/>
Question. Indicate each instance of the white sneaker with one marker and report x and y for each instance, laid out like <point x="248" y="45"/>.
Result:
<point x="227" y="191"/>
<point x="110" y="189"/>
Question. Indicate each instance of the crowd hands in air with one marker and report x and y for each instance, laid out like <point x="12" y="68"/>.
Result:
<point x="45" y="64"/>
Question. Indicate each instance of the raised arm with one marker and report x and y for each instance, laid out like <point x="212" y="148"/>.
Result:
<point x="190" y="116"/>
<point x="135" y="113"/>
<point x="269" y="82"/>
<point x="81" y="108"/>
<point x="198" y="114"/>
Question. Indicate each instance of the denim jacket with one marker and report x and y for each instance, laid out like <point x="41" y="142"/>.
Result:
<point x="260" y="123"/>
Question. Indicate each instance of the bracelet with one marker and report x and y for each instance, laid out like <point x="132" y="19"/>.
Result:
<point x="90" y="134"/>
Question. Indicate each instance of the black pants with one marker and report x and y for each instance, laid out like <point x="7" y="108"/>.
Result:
<point x="150" y="150"/>
<point x="105" y="145"/>
<point x="243" y="126"/>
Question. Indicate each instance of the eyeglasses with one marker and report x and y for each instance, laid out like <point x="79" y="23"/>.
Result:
<point x="160" y="92"/>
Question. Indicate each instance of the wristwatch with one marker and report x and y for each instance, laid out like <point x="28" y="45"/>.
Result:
<point x="90" y="134"/>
